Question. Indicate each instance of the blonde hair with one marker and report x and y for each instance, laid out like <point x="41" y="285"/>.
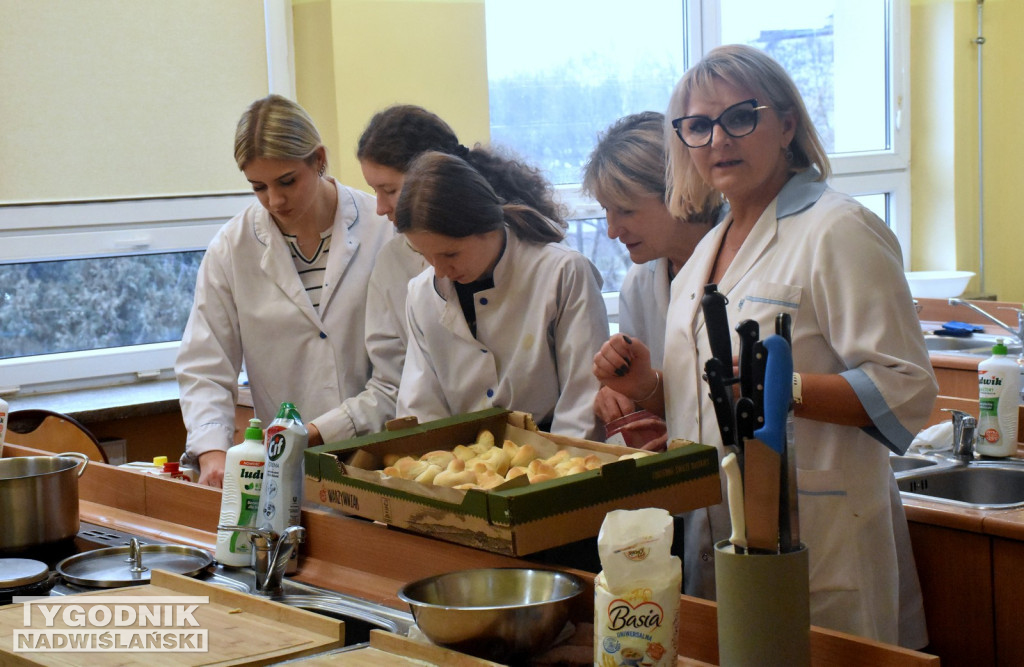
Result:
<point x="275" y="127"/>
<point x="750" y="69"/>
<point x="629" y="163"/>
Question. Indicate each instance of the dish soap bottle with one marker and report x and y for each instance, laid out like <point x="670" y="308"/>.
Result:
<point x="998" y="398"/>
<point x="281" y="497"/>
<point x="240" y="499"/>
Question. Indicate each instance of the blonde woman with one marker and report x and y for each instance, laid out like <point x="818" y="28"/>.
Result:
<point x="282" y="288"/>
<point x="626" y="175"/>
<point x="792" y="244"/>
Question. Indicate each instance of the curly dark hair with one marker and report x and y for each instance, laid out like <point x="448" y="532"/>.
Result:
<point x="395" y="136"/>
<point x="517" y="182"/>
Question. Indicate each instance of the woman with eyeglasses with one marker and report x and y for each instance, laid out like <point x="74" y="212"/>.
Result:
<point x="863" y="384"/>
<point x="626" y="175"/>
<point x="507" y="315"/>
<point x="392" y="139"/>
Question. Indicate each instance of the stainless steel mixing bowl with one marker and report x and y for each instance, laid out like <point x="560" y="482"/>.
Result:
<point x="501" y="614"/>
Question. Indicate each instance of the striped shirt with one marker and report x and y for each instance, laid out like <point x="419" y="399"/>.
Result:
<point x="311" y="269"/>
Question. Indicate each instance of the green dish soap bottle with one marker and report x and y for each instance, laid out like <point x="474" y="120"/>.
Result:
<point x="998" y="400"/>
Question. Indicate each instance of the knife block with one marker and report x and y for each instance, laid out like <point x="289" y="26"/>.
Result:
<point x="764" y="615"/>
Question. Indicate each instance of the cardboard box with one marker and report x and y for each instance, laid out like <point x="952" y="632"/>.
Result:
<point x="513" y="521"/>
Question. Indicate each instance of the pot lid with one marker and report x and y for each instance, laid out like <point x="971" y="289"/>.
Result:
<point x="19" y="572"/>
<point x="132" y="565"/>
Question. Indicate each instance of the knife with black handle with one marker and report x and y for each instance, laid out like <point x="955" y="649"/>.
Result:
<point x="784" y="327"/>
<point x="721" y="398"/>
<point x="748" y="331"/>
<point x="716" y="320"/>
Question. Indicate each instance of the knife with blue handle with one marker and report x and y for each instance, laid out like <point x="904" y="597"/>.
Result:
<point x="789" y="520"/>
<point x="778" y="392"/>
<point x="778" y="396"/>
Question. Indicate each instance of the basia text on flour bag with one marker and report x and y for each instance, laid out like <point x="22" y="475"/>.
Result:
<point x="636" y="594"/>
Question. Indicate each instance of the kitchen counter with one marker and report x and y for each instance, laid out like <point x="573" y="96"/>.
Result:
<point x="344" y="554"/>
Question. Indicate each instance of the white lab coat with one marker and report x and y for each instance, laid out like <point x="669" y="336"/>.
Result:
<point x="643" y="304"/>
<point x="250" y="304"/>
<point x="837" y="269"/>
<point x="538" y="330"/>
<point x="386" y="336"/>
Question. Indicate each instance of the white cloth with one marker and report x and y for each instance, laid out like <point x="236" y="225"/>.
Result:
<point x="250" y="304"/>
<point x="386" y="335"/>
<point x="538" y="330"/>
<point x="643" y="304"/>
<point x="837" y="269"/>
<point x="937" y="438"/>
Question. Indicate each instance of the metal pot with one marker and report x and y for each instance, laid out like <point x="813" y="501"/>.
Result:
<point x="39" y="499"/>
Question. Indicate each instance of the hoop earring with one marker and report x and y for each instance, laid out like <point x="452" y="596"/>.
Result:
<point x="789" y="155"/>
<point x="323" y="169"/>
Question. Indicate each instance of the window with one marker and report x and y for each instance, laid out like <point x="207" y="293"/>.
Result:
<point x="102" y="235"/>
<point x="599" y="62"/>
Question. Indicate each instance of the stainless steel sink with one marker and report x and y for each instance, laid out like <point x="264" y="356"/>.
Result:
<point x="360" y="616"/>
<point x="913" y="462"/>
<point x="976" y="344"/>
<point x="975" y="485"/>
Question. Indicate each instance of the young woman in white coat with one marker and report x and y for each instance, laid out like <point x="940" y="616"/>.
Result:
<point x="792" y="244"/>
<point x="392" y="139"/>
<point x="626" y="175"/>
<point x="507" y="316"/>
<point x="282" y="288"/>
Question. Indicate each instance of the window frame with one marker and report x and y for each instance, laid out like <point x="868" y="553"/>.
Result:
<point x="878" y="172"/>
<point x="75" y="230"/>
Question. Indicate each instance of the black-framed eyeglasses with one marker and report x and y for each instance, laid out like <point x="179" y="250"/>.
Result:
<point x="737" y="121"/>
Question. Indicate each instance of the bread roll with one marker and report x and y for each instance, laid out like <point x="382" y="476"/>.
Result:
<point x="523" y="456"/>
<point x="428" y="475"/>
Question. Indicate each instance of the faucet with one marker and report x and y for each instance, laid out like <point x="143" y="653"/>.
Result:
<point x="964" y="428"/>
<point x="1018" y="333"/>
<point x="270" y="554"/>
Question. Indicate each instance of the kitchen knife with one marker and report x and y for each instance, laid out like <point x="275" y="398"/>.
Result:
<point x="757" y="385"/>
<point x="761" y="483"/>
<point x="790" y="536"/>
<point x="778" y="392"/>
<point x="784" y="327"/>
<point x="721" y="397"/>
<point x="716" y="320"/>
<point x="734" y="493"/>
<point x="748" y="331"/>
<point x="778" y="396"/>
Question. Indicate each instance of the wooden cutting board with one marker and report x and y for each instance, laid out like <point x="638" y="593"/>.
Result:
<point x="390" y="650"/>
<point x="241" y="629"/>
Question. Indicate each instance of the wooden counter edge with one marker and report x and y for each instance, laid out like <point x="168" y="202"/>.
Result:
<point x="698" y="632"/>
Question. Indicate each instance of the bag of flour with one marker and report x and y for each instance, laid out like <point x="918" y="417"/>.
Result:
<point x="636" y="595"/>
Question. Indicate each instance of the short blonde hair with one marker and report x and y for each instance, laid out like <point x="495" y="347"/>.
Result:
<point x="628" y="162"/>
<point x="275" y="127"/>
<point x="751" y="69"/>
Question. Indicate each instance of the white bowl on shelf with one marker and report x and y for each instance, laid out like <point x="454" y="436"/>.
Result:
<point x="938" y="284"/>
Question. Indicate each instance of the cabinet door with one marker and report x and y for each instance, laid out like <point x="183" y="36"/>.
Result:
<point x="955" y="568"/>
<point x="1008" y="581"/>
